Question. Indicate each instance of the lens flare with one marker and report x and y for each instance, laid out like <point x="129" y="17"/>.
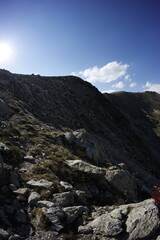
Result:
<point x="5" y="52"/>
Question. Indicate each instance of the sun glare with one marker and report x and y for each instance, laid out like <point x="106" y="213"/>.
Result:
<point x="5" y="52"/>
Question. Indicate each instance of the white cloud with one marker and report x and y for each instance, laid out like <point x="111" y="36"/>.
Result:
<point x="128" y="78"/>
<point x="119" y="85"/>
<point x="109" y="91"/>
<point x="108" y="73"/>
<point x="133" y="84"/>
<point x="153" y="87"/>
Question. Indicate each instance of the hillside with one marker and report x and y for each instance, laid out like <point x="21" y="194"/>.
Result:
<point x="70" y="154"/>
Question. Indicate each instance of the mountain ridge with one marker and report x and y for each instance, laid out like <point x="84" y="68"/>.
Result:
<point x="62" y="129"/>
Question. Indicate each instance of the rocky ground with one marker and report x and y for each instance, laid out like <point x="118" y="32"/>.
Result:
<point x="75" y="164"/>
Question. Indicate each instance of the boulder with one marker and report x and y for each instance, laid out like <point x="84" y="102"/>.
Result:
<point x="64" y="199"/>
<point x="34" y="198"/>
<point x="136" y="221"/>
<point x="22" y="191"/>
<point x="46" y="204"/>
<point x="143" y="220"/>
<point x="42" y="183"/>
<point x="66" y="185"/>
<point x="55" y="215"/>
<point x="105" y="225"/>
<point x="3" y="234"/>
<point x="122" y="181"/>
<point x="85" y="167"/>
<point x="72" y="213"/>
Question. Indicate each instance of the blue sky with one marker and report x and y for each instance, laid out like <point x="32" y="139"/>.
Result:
<point x="114" y="44"/>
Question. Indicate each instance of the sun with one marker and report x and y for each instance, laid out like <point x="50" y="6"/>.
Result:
<point x="5" y="52"/>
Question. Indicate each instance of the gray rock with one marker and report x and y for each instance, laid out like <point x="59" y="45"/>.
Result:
<point x="69" y="137"/>
<point x="84" y="230"/>
<point x="42" y="183"/>
<point x="64" y="199"/>
<point x="14" y="179"/>
<point x="79" y="133"/>
<point x="121" y="180"/>
<point x="72" y="213"/>
<point x="106" y="225"/>
<point x="66" y="185"/>
<point x="34" y="198"/>
<point x="55" y="216"/>
<point x="158" y="238"/>
<point x="20" y="216"/>
<point x="47" y="204"/>
<point x="3" y="234"/>
<point x="143" y="220"/>
<point x="3" y="147"/>
<point x="28" y="158"/>
<point x="85" y="167"/>
<point x="22" y="191"/>
<point x="14" y="237"/>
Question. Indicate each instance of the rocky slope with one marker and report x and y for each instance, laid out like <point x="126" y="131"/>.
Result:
<point x="74" y="163"/>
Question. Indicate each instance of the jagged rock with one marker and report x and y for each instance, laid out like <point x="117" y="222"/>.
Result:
<point x="80" y="197"/>
<point x="44" y="203"/>
<point x="72" y="213"/>
<point x="85" y="167"/>
<point x="34" y="198"/>
<point x="67" y="186"/>
<point x="143" y="220"/>
<point x="22" y="191"/>
<point x="42" y="183"/>
<point x="64" y="199"/>
<point x="20" y="216"/>
<point x="14" y="179"/>
<point x="121" y="180"/>
<point x="3" y="234"/>
<point x="14" y="237"/>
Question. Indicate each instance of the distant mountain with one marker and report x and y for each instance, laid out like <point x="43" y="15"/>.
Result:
<point x="64" y="142"/>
